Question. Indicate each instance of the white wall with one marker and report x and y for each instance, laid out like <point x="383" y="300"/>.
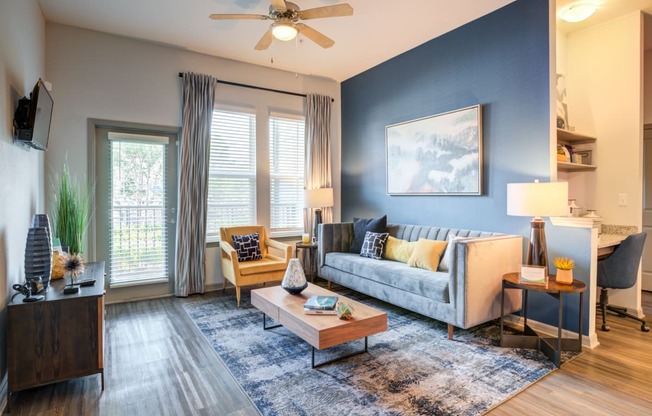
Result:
<point x="604" y="70"/>
<point x="22" y="62"/>
<point x="108" y="77"/>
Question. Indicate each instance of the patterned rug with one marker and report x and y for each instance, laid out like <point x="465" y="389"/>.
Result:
<point x="411" y="369"/>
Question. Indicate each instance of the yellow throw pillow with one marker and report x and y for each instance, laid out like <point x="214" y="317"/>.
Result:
<point x="427" y="253"/>
<point x="399" y="250"/>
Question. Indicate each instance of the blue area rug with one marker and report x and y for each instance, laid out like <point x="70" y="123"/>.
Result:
<point x="411" y="369"/>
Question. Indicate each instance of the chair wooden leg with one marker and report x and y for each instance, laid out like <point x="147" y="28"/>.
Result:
<point x="237" y="295"/>
<point x="450" y="331"/>
<point x="329" y="285"/>
<point x="224" y="285"/>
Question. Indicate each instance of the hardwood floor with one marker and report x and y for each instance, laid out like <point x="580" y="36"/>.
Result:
<point x="158" y="363"/>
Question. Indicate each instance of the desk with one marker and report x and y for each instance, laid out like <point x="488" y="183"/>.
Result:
<point x="551" y="347"/>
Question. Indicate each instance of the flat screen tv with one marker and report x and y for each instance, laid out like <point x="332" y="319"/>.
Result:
<point x="33" y="116"/>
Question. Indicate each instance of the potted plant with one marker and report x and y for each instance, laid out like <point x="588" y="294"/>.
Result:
<point x="71" y="210"/>
<point x="564" y="270"/>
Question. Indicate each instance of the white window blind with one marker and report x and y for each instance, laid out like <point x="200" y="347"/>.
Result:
<point x="286" y="158"/>
<point x="232" y="172"/>
<point x="138" y="219"/>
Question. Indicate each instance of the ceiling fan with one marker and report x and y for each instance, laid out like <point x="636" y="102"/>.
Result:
<point x="286" y="27"/>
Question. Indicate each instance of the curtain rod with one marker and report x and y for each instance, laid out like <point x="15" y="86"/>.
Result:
<point x="254" y="87"/>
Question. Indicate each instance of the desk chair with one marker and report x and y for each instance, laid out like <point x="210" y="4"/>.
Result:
<point x="620" y="271"/>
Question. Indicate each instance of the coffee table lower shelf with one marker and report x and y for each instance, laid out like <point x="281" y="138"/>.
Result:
<point x="333" y="360"/>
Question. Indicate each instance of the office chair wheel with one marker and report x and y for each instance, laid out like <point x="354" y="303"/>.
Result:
<point x="605" y="328"/>
<point x="645" y="328"/>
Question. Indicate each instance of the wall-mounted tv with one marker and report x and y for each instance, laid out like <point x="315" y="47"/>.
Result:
<point x="33" y="116"/>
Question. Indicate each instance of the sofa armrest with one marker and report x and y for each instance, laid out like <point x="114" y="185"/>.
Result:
<point x="285" y="248"/>
<point x="334" y="238"/>
<point x="476" y="275"/>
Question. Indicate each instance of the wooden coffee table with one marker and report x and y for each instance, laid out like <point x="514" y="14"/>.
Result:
<point x="320" y="331"/>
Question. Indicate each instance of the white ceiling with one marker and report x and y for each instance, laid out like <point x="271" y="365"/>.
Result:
<point x="377" y="31"/>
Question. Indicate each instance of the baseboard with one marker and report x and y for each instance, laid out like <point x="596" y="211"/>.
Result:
<point x="589" y="342"/>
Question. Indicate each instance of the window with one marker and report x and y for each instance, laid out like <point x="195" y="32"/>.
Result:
<point x="232" y="172"/>
<point x="242" y="193"/>
<point x="286" y="161"/>
<point x="138" y="246"/>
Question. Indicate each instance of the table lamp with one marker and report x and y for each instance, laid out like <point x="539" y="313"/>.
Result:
<point x="317" y="199"/>
<point x="536" y="199"/>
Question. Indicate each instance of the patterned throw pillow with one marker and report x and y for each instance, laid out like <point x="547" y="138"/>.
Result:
<point x="373" y="245"/>
<point x="247" y="246"/>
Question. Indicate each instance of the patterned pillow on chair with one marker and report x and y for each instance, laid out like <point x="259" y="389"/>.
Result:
<point x="373" y="245"/>
<point x="247" y="246"/>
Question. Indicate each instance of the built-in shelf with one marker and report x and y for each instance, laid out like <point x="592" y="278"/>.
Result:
<point x="572" y="137"/>
<point x="574" y="167"/>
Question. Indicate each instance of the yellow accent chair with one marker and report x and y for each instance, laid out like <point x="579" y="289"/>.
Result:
<point x="270" y="268"/>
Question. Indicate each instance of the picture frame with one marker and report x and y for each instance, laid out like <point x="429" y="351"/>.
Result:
<point x="436" y="155"/>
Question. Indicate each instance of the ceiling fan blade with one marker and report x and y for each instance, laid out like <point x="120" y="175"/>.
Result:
<point x="265" y="41"/>
<point x="315" y="36"/>
<point x="238" y="16"/>
<point x="279" y="5"/>
<point x="327" y="11"/>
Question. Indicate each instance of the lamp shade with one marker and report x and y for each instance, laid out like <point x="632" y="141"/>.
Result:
<point x="318" y="198"/>
<point x="537" y="199"/>
<point x="284" y="31"/>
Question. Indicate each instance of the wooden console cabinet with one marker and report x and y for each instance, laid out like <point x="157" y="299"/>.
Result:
<point x="58" y="338"/>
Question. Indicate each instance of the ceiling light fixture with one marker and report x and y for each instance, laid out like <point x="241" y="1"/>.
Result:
<point x="577" y="12"/>
<point x="284" y="30"/>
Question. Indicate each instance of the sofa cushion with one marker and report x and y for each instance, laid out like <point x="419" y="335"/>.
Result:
<point x="399" y="250"/>
<point x="445" y="261"/>
<point x="432" y="285"/>
<point x="374" y="245"/>
<point x="360" y="228"/>
<point x="268" y="264"/>
<point x="427" y="253"/>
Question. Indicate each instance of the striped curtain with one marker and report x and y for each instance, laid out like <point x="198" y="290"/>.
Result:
<point x="318" y="151"/>
<point x="194" y="152"/>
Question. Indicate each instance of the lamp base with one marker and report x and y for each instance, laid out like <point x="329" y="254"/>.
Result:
<point x="315" y="222"/>
<point x="536" y="252"/>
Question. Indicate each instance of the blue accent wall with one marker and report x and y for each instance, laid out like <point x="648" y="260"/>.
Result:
<point x="499" y="61"/>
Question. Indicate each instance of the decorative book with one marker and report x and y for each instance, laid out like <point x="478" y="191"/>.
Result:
<point x="319" y="311"/>
<point x="321" y="303"/>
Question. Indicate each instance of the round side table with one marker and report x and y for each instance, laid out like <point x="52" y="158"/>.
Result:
<point x="550" y="346"/>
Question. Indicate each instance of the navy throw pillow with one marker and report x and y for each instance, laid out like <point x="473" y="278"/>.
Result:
<point x="374" y="245"/>
<point x="360" y="228"/>
<point x="247" y="246"/>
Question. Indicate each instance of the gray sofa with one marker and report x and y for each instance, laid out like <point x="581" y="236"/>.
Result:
<point x="466" y="295"/>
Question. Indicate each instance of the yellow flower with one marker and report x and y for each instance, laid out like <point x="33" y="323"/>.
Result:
<point x="563" y="263"/>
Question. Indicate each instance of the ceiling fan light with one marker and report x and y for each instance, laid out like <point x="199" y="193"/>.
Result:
<point x="578" y="12"/>
<point x="284" y="31"/>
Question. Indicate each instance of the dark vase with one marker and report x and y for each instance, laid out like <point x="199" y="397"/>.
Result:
<point x="38" y="255"/>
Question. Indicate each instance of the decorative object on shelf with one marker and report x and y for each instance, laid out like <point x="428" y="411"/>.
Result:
<point x="436" y="155"/>
<point x="537" y="199"/>
<point x="564" y="270"/>
<point x="562" y="106"/>
<point x="591" y="213"/>
<point x="562" y="154"/>
<point x="294" y="280"/>
<point x="573" y="208"/>
<point x="73" y="265"/>
<point x="38" y="255"/>
<point x="344" y="310"/>
<point x="71" y="211"/>
<point x="317" y="199"/>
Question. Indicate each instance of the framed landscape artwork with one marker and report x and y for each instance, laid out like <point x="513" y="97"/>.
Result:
<point x="436" y="155"/>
